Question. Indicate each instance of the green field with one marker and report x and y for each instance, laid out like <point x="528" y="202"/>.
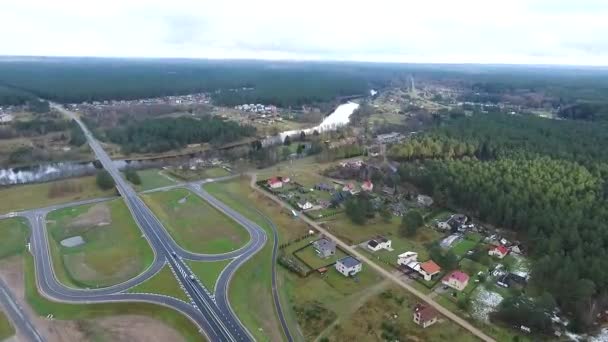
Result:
<point x="20" y="197"/>
<point x="6" y="329"/>
<point x="64" y="311"/>
<point x="164" y="283"/>
<point x="463" y="246"/>
<point x="250" y="290"/>
<point x="208" y="271"/>
<point x="201" y="173"/>
<point x="194" y="224"/>
<point x="152" y="179"/>
<point x="14" y="233"/>
<point x="114" y="251"/>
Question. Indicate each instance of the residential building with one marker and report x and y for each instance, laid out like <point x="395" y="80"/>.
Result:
<point x="367" y="186"/>
<point x="424" y="200"/>
<point x="349" y="266"/>
<point x="305" y="205"/>
<point x="324" y="247"/>
<point x="379" y="243"/>
<point x="424" y="315"/>
<point x="428" y="269"/>
<point x="405" y="259"/>
<point x="350" y="187"/>
<point x="499" y="251"/>
<point x="457" y="280"/>
<point x="274" y="183"/>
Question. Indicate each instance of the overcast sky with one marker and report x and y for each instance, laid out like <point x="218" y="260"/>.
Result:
<point x="447" y="31"/>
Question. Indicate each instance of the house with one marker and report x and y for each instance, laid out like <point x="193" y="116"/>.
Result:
<point x="379" y="243"/>
<point x="350" y="187"/>
<point x="512" y="280"/>
<point x="424" y="200"/>
<point x="407" y="258"/>
<point x="285" y="180"/>
<point x="457" y="280"/>
<point x="428" y="269"/>
<point x="305" y="205"/>
<point x="443" y="225"/>
<point x="424" y="315"/>
<point x="367" y="186"/>
<point x="499" y="251"/>
<point x="456" y="221"/>
<point x="324" y="187"/>
<point x="349" y="266"/>
<point x="324" y="247"/>
<point x="274" y="183"/>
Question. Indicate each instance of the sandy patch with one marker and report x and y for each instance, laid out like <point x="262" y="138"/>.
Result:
<point x="124" y="328"/>
<point x="97" y="215"/>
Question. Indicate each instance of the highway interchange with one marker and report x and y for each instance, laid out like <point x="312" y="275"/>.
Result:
<point x="209" y="308"/>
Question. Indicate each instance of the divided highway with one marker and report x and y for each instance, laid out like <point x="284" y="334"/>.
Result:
<point x="212" y="312"/>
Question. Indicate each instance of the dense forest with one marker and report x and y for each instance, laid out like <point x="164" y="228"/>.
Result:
<point x="160" y="135"/>
<point x="545" y="179"/>
<point x="13" y="97"/>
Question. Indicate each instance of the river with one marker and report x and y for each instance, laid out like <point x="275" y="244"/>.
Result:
<point x="53" y="171"/>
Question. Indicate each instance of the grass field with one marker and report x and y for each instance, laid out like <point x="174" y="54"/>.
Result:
<point x="64" y="311"/>
<point x="114" y="249"/>
<point x="388" y="316"/>
<point x="194" y="224"/>
<point x="463" y="246"/>
<point x="20" y="197"/>
<point x="201" y="173"/>
<point x="6" y="329"/>
<point x="14" y="235"/>
<point x="250" y="289"/>
<point x="208" y="271"/>
<point x="152" y="179"/>
<point x="164" y="283"/>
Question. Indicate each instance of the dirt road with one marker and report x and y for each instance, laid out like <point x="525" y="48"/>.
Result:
<point x="445" y="312"/>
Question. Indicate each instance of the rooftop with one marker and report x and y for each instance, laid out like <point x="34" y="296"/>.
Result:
<point x="430" y="267"/>
<point x="349" y="261"/>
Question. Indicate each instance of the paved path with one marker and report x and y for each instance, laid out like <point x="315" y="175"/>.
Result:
<point x="352" y="251"/>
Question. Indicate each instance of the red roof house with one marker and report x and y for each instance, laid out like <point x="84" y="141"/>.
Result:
<point x="424" y="315"/>
<point x="499" y="251"/>
<point x="428" y="269"/>
<point x="367" y="186"/>
<point x="274" y="183"/>
<point x="457" y="280"/>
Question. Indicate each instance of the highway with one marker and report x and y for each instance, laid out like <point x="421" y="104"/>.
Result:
<point x="213" y="312"/>
<point x="19" y="318"/>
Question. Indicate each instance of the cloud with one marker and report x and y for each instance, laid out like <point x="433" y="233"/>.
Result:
<point x="476" y="31"/>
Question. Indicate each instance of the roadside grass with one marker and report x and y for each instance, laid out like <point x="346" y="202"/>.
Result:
<point x="65" y="311"/>
<point x="152" y="179"/>
<point x="114" y="248"/>
<point x="163" y="283"/>
<point x="6" y="329"/>
<point x="195" y="224"/>
<point x="388" y="316"/>
<point x="21" y="197"/>
<point x="250" y="290"/>
<point x="208" y="271"/>
<point x="14" y="235"/>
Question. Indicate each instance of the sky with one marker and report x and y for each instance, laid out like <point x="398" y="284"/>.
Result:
<point x="572" y="32"/>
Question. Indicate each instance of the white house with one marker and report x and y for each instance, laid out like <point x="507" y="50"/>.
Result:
<point x="406" y="258"/>
<point x="379" y="243"/>
<point x="349" y="266"/>
<point x="305" y="205"/>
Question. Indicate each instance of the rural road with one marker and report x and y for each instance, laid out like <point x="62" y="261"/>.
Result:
<point x="445" y="312"/>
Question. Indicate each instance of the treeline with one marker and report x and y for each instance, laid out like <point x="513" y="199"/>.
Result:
<point x="160" y="135"/>
<point x="585" y="111"/>
<point x="13" y="97"/>
<point x="497" y="135"/>
<point x="230" y="82"/>
<point x="545" y="179"/>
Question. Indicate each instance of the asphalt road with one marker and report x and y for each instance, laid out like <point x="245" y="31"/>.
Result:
<point x="214" y="314"/>
<point x="19" y="318"/>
